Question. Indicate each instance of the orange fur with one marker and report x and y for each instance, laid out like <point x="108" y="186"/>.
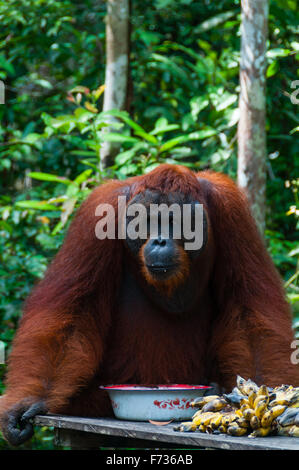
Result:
<point x="76" y="332"/>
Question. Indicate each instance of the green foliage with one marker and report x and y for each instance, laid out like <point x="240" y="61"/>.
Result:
<point x="184" y="109"/>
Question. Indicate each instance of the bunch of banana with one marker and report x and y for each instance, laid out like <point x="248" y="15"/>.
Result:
<point x="248" y="410"/>
<point x="288" y="421"/>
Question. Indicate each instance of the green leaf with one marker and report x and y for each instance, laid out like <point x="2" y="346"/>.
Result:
<point x="64" y="123"/>
<point x="80" y="89"/>
<point x="83" y="177"/>
<point x="124" y="157"/>
<point x="172" y="67"/>
<point x="148" y="137"/>
<point x="83" y="115"/>
<point x="197" y="104"/>
<point x="72" y="190"/>
<point x="83" y="153"/>
<point x="138" y="130"/>
<point x="92" y="165"/>
<point x="6" y="226"/>
<point x="162" y="126"/>
<point x="57" y="228"/>
<point x="199" y="135"/>
<point x="182" y="152"/>
<point x="125" y="117"/>
<point x="149" y="37"/>
<point x="115" y="137"/>
<point x="98" y="92"/>
<point x="213" y="22"/>
<point x="293" y="298"/>
<point x="40" y="205"/>
<point x="48" y="177"/>
<point x="151" y="167"/>
<point x="294" y="252"/>
<point x="228" y="101"/>
<point x="173" y="143"/>
<point x="272" y="69"/>
<point x="163" y="3"/>
<point x="6" y="65"/>
<point x="44" y="83"/>
<point x="170" y="127"/>
<point x="277" y="52"/>
<point x="32" y="138"/>
<point x="128" y="170"/>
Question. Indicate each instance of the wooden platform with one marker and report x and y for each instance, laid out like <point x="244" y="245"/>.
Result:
<point x="92" y="433"/>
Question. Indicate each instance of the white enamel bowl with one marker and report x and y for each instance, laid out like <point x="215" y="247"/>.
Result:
<point x="157" y="403"/>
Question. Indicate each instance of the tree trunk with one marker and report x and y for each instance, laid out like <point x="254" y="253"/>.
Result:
<point x="2" y="92"/>
<point x="117" y="67"/>
<point x="252" y="149"/>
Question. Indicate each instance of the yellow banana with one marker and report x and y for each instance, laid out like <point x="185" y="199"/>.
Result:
<point x="260" y="432"/>
<point x="263" y="390"/>
<point x="244" y="402"/>
<point x="207" y="418"/>
<point x="248" y="414"/>
<point x="222" y="429"/>
<point x="255" y="422"/>
<point x="214" y="405"/>
<point x="260" y="399"/>
<point x="202" y="428"/>
<point x="244" y="408"/>
<point x="228" y="418"/>
<point x="202" y="418"/>
<point x="201" y="401"/>
<point x="235" y="430"/>
<point x="289" y="398"/>
<point x="261" y="408"/>
<point x="185" y="427"/>
<point x="251" y="397"/>
<point x="242" y="422"/>
<point x="216" y="421"/>
<point x="271" y="414"/>
<point x="198" y="413"/>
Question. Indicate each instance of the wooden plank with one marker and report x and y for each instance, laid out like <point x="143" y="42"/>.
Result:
<point x="165" y="434"/>
<point x="86" y="440"/>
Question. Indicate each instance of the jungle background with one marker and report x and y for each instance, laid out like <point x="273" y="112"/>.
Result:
<point x="184" y="86"/>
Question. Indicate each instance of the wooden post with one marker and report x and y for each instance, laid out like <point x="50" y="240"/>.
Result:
<point x="252" y="150"/>
<point x="117" y="68"/>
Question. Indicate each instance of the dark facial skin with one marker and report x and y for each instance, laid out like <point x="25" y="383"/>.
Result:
<point x="163" y="259"/>
<point x="160" y="257"/>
